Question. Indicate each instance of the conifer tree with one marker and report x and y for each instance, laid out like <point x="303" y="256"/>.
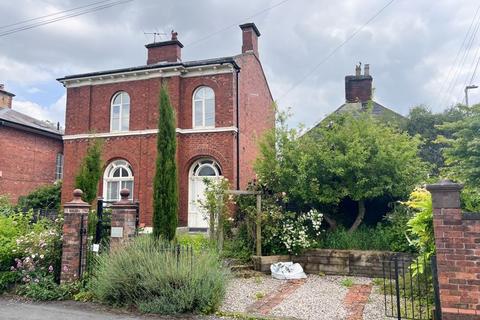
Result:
<point x="165" y="185"/>
<point x="90" y="171"/>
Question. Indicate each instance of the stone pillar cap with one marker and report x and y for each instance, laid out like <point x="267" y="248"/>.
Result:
<point x="445" y="185"/>
<point x="77" y="199"/>
<point x="124" y="194"/>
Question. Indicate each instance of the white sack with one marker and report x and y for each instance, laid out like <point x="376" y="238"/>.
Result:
<point x="287" y="271"/>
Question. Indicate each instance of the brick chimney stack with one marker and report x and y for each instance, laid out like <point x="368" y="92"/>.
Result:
<point x="250" y="36"/>
<point x="5" y="98"/>
<point x="358" y="88"/>
<point x="165" y="51"/>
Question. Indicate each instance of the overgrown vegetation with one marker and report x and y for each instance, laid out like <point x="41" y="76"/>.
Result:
<point x="30" y="254"/>
<point x="353" y="156"/>
<point x="165" y="188"/>
<point x="148" y="275"/>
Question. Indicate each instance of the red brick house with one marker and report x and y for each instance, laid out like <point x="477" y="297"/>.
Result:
<point x="223" y="105"/>
<point x="31" y="151"/>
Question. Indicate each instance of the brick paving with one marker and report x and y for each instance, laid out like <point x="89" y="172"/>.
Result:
<point x="356" y="299"/>
<point x="273" y="299"/>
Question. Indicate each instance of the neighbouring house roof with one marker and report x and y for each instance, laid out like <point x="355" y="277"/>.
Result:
<point x="186" y="64"/>
<point x="15" y="119"/>
<point x="6" y="93"/>
<point x="378" y="111"/>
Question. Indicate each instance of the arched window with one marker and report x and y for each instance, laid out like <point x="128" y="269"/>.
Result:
<point x="118" y="175"/>
<point x="206" y="168"/>
<point x="204" y="108"/>
<point x="120" y="112"/>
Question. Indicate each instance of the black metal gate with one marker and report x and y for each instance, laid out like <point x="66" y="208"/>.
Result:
<point x="410" y="288"/>
<point x="98" y="236"/>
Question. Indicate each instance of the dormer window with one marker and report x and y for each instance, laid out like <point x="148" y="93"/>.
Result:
<point x="120" y="112"/>
<point x="204" y="108"/>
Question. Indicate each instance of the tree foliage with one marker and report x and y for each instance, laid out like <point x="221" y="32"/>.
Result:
<point x="352" y="156"/>
<point x="44" y="197"/>
<point x="90" y="171"/>
<point x="165" y="184"/>
<point x="423" y="122"/>
<point x="462" y="151"/>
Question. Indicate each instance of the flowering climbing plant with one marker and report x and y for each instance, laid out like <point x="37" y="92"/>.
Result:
<point x="290" y="232"/>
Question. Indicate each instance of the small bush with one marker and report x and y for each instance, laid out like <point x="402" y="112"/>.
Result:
<point x="147" y="275"/>
<point x="44" y="197"/>
<point x="197" y="241"/>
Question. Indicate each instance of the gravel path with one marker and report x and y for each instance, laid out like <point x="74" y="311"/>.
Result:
<point x="243" y="292"/>
<point x="320" y="298"/>
<point x="375" y="308"/>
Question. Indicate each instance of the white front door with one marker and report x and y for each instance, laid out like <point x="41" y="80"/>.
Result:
<point x="200" y="170"/>
<point x="197" y="216"/>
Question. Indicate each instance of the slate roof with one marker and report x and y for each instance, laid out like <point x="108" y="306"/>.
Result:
<point x="22" y="121"/>
<point x="186" y="64"/>
<point x="377" y="110"/>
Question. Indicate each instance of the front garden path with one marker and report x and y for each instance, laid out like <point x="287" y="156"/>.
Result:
<point x="316" y="298"/>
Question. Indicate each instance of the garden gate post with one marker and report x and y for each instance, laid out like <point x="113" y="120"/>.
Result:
<point x="457" y="242"/>
<point x="74" y="238"/>
<point x="124" y="215"/>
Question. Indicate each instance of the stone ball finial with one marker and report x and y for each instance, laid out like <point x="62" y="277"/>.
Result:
<point x="125" y="193"/>
<point x="77" y="194"/>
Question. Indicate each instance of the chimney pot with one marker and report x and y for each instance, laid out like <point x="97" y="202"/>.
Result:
<point x="250" y="36"/>
<point x="174" y="35"/>
<point x="358" y="70"/>
<point x="366" y="69"/>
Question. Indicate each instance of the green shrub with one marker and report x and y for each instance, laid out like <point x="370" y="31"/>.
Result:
<point x="197" y="241"/>
<point x="45" y="197"/>
<point x="43" y="288"/>
<point x="7" y="279"/>
<point x="147" y="275"/>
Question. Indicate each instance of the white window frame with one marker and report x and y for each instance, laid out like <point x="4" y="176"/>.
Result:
<point x="203" y="101"/>
<point x="108" y="177"/>
<point x="59" y="166"/>
<point x="121" y="106"/>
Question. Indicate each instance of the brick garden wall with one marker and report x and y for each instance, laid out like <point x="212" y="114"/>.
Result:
<point x="334" y="262"/>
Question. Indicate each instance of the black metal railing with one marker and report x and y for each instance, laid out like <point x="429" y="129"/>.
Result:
<point x="408" y="288"/>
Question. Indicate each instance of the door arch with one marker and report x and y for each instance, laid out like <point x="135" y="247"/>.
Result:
<point x="205" y="168"/>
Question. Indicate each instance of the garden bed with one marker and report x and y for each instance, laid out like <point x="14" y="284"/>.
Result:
<point x="333" y="262"/>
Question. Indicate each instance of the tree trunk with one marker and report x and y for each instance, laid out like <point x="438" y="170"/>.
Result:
<point x="360" y="216"/>
<point x="331" y="222"/>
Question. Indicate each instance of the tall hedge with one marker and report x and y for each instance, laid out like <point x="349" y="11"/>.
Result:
<point x="90" y="172"/>
<point x="165" y="184"/>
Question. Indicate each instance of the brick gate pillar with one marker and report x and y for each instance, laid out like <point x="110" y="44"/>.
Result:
<point x="74" y="247"/>
<point x="457" y="242"/>
<point x="124" y="214"/>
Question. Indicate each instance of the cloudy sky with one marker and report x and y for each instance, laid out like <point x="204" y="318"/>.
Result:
<point x="415" y="48"/>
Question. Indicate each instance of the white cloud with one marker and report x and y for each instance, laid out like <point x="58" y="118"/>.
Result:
<point x="22" y="73"/>
<point x="53" y="113"/>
